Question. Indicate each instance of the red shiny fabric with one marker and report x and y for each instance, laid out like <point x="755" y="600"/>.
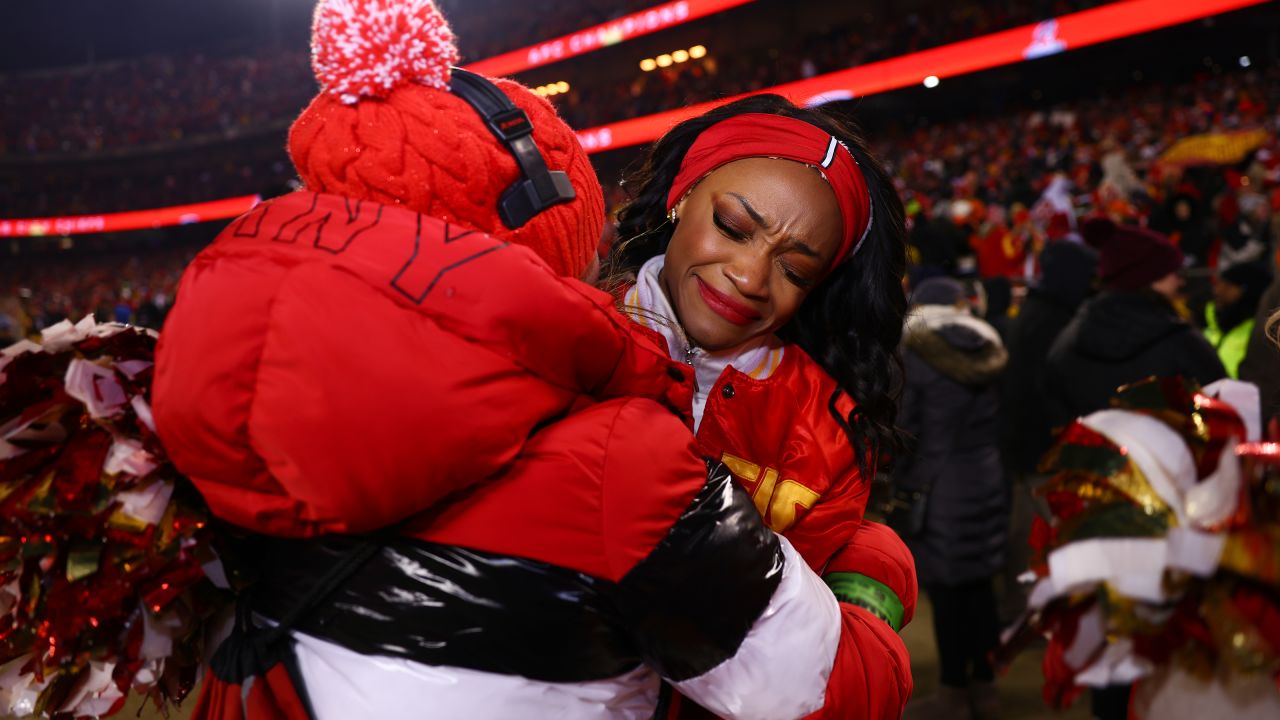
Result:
<point x="763" y="135"/>
<point x="333" y="366"/>
<point x="594" y="492"/>
<point x="871" y="677"/>
<point x="270" y="697"/>
<point x="799" y="465"/>
<point x="782" y="443"/>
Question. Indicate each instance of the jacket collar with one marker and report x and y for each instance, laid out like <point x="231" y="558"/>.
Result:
<point x="955" y="343"/>
<point x="647" y="303"/>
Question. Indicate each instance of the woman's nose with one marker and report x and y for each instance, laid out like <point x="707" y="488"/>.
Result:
<point x="749" y="273"/>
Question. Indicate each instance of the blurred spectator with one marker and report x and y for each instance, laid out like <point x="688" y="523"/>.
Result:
<point x="1261" y="363"/>
<point x="123" y="311"/>
<point x="941" y="243"/>
<point x="1182" y="218"/>
<point x="44" y="290"/>
<point x="12" y="321"/>
<point x="1242" y="217"/>
<point x="1131" y="331"/>
<point x="1229" y="317"/>
<point x="1001" y="251"/>
<point x="998" y="302"/>
<point x="950" y="405"/>
<point x="1067" y="273"/>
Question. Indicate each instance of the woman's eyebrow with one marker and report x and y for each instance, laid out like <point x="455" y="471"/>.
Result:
<point x="797" y="245"/>
<point x="750" y="210"/>
<point x="803" y="249"/>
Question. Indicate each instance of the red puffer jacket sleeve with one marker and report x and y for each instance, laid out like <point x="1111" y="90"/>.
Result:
<point x="874" y="578"/>
<point x="716" y="603"/>
<point x="338" y="424"/>
<point x="334" y="366"/>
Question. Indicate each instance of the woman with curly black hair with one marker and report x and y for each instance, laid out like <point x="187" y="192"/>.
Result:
<point x="767" y="249"/>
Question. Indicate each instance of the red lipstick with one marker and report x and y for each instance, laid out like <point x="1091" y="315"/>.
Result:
<point x="725" y="306"/>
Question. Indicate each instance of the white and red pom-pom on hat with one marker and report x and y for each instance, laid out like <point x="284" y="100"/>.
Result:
<point x="367" y="48"/>
<point x="385" y="128"/>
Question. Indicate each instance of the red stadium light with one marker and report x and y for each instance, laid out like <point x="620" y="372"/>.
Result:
<point x="1069" y="32"/>
<point x="658" y="17"/>
<point x="135" y="220"/>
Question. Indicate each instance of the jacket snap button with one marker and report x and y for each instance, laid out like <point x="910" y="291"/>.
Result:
<point x="727" y="392"/>
<point x="675" y="374"/>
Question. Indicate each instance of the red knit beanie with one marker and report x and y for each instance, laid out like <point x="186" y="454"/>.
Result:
<point x="1130" y="258"/>
<point x="386" y="128"/>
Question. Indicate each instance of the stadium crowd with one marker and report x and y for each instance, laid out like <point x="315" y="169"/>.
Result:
<point x="155" y="100"/>
<point x="884" y="30"/>
<point x="984" y="193"/>
<point x="165" y="100"/>
<point x="252" y="166"/>
<point x="1030" y="173"/>
<point x="125" y="286"/>
<point x="157" y="131"/>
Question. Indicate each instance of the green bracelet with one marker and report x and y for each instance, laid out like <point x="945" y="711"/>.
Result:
<point x="867" y="593"/>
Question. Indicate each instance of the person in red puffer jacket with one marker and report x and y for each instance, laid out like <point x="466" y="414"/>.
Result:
<point x="768" y="248"/>
<point x="468" y="482"/>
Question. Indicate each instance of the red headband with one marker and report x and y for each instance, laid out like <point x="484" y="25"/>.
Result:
<point x="776" y="136"/>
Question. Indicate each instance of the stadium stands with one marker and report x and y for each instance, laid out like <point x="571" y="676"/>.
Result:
<point x="165" y="130"/>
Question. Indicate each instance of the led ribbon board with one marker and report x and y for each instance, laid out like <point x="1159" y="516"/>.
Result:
<point x="658" y="17"/>
<point x="1069" y="32"/>
<point x="135" y="220"/>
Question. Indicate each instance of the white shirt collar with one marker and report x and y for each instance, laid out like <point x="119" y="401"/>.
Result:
<point x="648" y="303"/>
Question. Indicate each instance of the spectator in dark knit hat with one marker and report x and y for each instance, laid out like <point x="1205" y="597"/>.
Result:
<point x="1131" y="331"/>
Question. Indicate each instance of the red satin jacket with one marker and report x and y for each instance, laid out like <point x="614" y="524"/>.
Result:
<point x="780" y="439"/>
<point x="332" y="366"/>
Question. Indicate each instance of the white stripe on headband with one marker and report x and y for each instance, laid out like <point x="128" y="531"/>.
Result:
<point x="871" y="218"/>
<point x="831" y="152"/>
<point x="871" y="206"/>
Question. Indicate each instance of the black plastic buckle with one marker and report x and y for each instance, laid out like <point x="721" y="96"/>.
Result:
<point x="510" y="125"/>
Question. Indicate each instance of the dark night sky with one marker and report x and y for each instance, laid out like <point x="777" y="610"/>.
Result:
<point x="63" y="32"/>
<point x="49" y="33"/>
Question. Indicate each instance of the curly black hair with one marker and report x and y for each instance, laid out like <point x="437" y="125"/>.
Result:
<point x="850" y="324"/>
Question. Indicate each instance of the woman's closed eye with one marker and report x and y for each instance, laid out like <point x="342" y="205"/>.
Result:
<point x="728" y="228"/>
<point x="796" y="277"/>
